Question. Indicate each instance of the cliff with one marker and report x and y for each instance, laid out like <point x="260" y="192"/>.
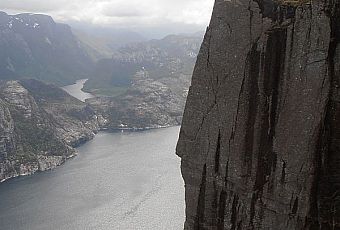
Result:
<point x="39" y="126"/>
<point x="260" y="136"/>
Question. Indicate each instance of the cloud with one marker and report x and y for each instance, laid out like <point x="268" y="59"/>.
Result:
<point x="32" y="5"/>
<point x="156" y="12"/>
<point x="114" y="10"/>
<point x="119" y="13"/>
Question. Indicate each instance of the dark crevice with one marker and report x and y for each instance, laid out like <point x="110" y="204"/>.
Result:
<point x="273" y="71"/>
<point x="289" y="65"/>
<point x="312" y="220"/>
<point x="254" y="198"/>
<point x="239" y="225"/>
<point x="234" y="128"/>
<point x="283" y="173"/>
<point x="325" y="206"/>
<point x="218" y="153"/>
<point x="221" y="210"/>
<point x="234" y="212"/>
<point x="295" y="206"/>
<point x="278" y="48"/>
<point x="215" y="207"/>
<point x="211" y="66"/>
<point x="251" y="15"/>
<point x="201" y="201"/>
<point x="253" y="65"/>
<point x="226" y="173"/>
<point x="273" y="68"/>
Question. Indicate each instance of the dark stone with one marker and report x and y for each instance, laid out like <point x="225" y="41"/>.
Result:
<point x="261" y="124"/>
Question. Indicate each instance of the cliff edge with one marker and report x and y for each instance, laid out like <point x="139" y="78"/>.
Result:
<point x="260" y="139"/>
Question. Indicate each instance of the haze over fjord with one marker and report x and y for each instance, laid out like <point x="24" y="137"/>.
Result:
<point x="151" y="18"/>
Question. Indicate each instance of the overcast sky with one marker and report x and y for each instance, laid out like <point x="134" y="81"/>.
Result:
<point x="120" y="13"/>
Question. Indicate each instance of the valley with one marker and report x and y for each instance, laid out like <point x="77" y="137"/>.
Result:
<point x="142" y="86"/>
<point x="105" y="187"/>
<point x="78" y="116"/>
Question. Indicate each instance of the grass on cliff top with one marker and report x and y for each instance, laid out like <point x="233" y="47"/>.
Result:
<point x="111" y="91"/>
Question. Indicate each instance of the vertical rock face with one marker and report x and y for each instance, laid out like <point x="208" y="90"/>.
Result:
<point x="260" y="140"/>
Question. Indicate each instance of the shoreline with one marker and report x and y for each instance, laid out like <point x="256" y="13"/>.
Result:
<point x="75" y="154"/>
<point x="39" y="166"/>
<point x="13" y="170"/>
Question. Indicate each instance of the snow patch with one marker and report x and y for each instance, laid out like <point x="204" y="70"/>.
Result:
<point x="47" y="40"/>
<point x="192" y="54"/>
<point x="123" y="126"/>
<point x="19" y="19"/>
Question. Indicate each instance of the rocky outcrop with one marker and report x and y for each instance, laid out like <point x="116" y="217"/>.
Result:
<point x="148" y="103"/>
<point x="146" y="83"/>
<point x="169" y="57"/>
<point x="260" y="136"/>
<point x="39" y="126"/>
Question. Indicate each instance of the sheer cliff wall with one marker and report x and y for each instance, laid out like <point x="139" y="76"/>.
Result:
<point x="260" y="139"/>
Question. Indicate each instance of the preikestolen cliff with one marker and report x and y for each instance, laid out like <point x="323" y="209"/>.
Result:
<point x="260" y="136"/>
<point x="126" y="115"/>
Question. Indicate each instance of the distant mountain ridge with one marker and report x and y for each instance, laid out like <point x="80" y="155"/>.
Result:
<point x="112" y="38"/>
<point x="171" y="56"/>
<point x="35" y="46"/>
<point x="149" y="82"/>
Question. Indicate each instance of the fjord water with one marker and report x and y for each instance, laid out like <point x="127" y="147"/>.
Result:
<point x="122" y="181"/>
<point x="75" y="90"/>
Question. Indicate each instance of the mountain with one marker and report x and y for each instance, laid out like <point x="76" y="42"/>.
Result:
<point x="39" y="126"/>
<point x="113" y="38"/>
<point x="169" y="57"/>
<point x="97" y="47"/>
<point x="146" y="84"/>
<point x="147" y="103"/>
<point x="35" y="46"/>
<point x="260" y="135"/>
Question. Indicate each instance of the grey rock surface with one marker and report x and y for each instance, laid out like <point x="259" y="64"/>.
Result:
<point x="260" y="136"/>
<point x="146" y="83"/>
<point x="148" y="103"/>
<point x="40" y="125"/>
<point x="169" y="57"/>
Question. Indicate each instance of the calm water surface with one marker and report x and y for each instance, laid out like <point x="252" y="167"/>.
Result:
<point x="118" y="181"/>
<point x="122" y="181"/>
<point x="75" y="90"/>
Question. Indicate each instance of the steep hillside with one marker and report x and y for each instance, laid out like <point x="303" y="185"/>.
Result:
<point x="34" y="46"/>
<point x="170" y="57"/>
<point x="39" y="126"/>
<point x="147" y="103"/>
<point x="97" y="47"/>
<point x="148" y="83"/>
<point x="260" y="136"/>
